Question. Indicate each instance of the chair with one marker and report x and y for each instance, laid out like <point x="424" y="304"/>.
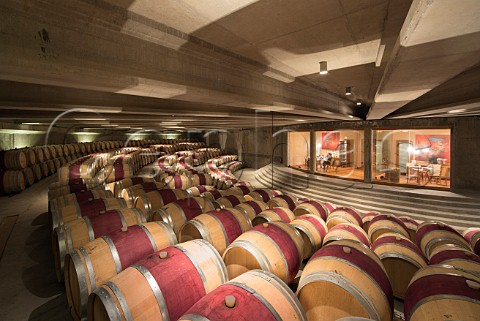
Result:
<point x="444" y="174"/>
<point x="434" y="171"/>
<point x="334" y="163"/>
<point x="412" y="172"/>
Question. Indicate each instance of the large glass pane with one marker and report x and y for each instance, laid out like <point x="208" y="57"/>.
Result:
<point x="340" y="153"/>
<point x="298" y="149"/>
<point x="419" y="157"/>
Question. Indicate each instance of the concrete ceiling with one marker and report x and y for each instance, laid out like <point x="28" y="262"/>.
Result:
<point x="175" y="64"/>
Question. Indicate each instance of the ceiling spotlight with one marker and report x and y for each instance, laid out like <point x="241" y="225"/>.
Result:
<point x="456" y="111"/>
<point x="359" y="102"/>
<point x="323" y="68"/>
<point x="348" y="91"/>
<point x="350" y="116"/>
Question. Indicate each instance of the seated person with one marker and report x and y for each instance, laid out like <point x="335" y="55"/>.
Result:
<point x="327" y="160"/>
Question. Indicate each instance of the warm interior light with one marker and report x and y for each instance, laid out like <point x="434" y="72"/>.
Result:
<point x="30" y="123"/>
<point x="323" y="68"/>
<point x="350" y="116"/>
<point x="348" y="91"/>
<point x="90" y="119"/>
<point x="359" y="102"/>
<point x="456" y="111"/>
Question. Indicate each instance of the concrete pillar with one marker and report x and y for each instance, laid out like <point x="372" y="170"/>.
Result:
<point x="313" y="154"/>
<point x="367" y="155"/>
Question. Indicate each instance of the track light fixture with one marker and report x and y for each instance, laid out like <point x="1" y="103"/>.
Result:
<point x="323" y="68"/>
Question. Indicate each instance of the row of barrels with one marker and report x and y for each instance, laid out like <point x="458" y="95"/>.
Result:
<point x="15" y="181"/>
<point x="338" y="218"/>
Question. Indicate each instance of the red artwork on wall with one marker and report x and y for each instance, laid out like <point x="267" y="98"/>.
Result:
<point x="429" y="147"/>
<point x="330" y="140"/>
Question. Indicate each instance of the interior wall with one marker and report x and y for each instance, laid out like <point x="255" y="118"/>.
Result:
<point x="299" y="147"/>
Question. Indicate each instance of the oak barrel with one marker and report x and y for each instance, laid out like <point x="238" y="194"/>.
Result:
<point x="275" y="247"/>
<point x="162" y="286"/>
<point x="313" y="230"/>
<point x="272" y="300"/>
<point x="101" y="259"/>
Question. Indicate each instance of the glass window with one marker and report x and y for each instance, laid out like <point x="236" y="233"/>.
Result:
<point x="298" y="149"/>
<point x="340" y="153"/>
<point x="413" y="157"/>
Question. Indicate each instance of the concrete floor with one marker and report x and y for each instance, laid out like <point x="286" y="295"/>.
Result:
<point x="29" y="290"/>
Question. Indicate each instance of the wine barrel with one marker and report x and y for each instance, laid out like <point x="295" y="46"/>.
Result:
<point x="118" y="171"/>
<point x="274" y="247"/>
<point x="118" y="186"/>
<point x="59" y="189"/>
<point x="274" y="214"/>
<point x="31" y="156"/>
<point x="48" y="153"/>
<point x="45" y="170"/>
<point x="129" y="194"/>
<point x="342" y="279"/>
<point x="37" y="172"/>
<point x="177" y="182"/>
<point x="252" y="208"/>
<point x="101" y="259"/>
<point x="286" y="200"/>
<point x="155" y="200"/>
<point x="313" y="230"/>
<point x="382" y="224"/>
<point x="346" y="231"/>
<point x="239" y="190"/>
<point x="343" y="215"/>
<point x="411" y="225"/>
<point x="199" y="190"/>
<point x="79" y="232"/>
<point x="219" y="228"/>
<point x="472" y="236"/>
<point x="39" y="154"/>
<point x="13" y="181"/>
<point x="366" y="218"/>
<point x="229" y="201"/>
<point x="201" y="179"/>
<point x="432" y="234"/>
<point x="215" y="194"/>
<point x="58" y="151"/>
<point x="401" y="259"/>
<point x="15" y="159"/>
<point x="312" y="207"/>
<point x="162" y="286"/>
<point x="457" y="257"/>
<point x="330" y="206"/>
<point x="263" y="195"/>
<point x="78" y="197"/>
<point x="177" y="213"/>
<point x="92" y="208"/>
<point x="29" y="176"/>
<point x="438" y="293"/>
<point x="51" y="166"/>
<point x="273" y="300"/>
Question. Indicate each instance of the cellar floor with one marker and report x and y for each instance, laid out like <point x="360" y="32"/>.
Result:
<point x="29" y="288"/>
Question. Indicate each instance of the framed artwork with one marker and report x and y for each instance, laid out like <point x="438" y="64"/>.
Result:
<point x="330" y="140"/>
<point x="430" y="147"/>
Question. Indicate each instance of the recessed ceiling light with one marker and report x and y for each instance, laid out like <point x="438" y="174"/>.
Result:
<point x="456" y="111"/>
<point x="300" y="119"/>
<point x="359" y="102"/>
<point x="350" y="116"/>
<point x="348" y="91"/>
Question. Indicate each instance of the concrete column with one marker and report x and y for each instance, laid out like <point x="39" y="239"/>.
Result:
<point x="313" y="154"/>
<point x="367" y="155"/>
